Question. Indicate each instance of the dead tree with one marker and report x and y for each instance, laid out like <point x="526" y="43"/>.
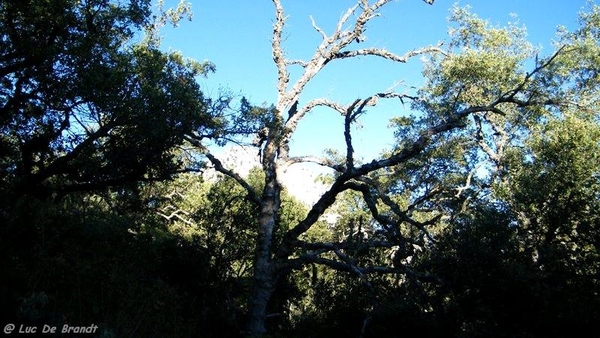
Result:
<point x="270" y="262"/>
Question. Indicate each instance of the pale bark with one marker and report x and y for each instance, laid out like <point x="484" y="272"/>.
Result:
<point x="264" y="277"/>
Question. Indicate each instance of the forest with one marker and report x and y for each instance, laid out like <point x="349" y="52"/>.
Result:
<point x="117" y="211"/>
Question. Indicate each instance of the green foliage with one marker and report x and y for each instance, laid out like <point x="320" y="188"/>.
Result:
<point x="577" y="74"/>
<point x="84" y="106"/>
<point x="554" y="193"/>
<point x="88" y="113"/>
<point x="239" y="121"/>
<point x="484" y="62"/>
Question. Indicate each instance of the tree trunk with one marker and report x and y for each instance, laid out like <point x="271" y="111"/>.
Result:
<point x="263" y="286"/>
<point x="265" y="274"/>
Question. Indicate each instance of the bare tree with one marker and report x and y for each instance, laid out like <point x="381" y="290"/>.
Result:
<point x="292" y="252"/>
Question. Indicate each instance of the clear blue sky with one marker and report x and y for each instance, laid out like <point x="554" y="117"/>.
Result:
<point x="235" y="35"/>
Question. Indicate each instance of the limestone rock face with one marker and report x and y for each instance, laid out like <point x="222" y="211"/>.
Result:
<point x="300" y="180"/>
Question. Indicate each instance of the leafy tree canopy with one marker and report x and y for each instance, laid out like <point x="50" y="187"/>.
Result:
<point x="84" y="104"/>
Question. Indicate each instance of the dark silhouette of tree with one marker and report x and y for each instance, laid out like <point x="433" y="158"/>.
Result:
<point x="84" y="106"/>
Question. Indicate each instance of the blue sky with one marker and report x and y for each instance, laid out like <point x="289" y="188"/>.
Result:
<point x="235" y="35"/>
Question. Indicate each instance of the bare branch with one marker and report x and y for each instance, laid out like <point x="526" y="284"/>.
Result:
<point x="296" y="116"/>
<point x="388" y="55"/>
<point x="322" y="161"/>
<point x="252" y="194"/>
<point x="352" y="266"/>
<point x="327" y="50"/>
<point x="316" y="103"/>
<point x="317" y="28"/>
<point x="387" y="222"/>
<point x="323" y="247"/>
<point x="351" y="113"/>
<point x="301" y="63"/>
<point x="410" y="150"/>
<point x="342" y="266"/>
<point x="340" y="25"/>
<point x="482" y="144"/>
<point x="283" y="75"/>
<point x="218" y="166"/>
<point x="510" y="95"/>
<point x="467" y="185"/>
<point x="404" y="216"/>
<point x="401" y="97"/>
<point x="176" y="214"/>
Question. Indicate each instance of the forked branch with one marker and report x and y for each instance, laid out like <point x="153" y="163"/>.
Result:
<point x="332" y="47"/>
